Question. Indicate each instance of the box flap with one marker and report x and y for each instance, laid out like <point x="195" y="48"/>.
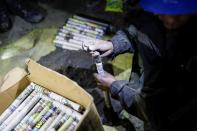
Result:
<point x="50" y="79"/>
<point x="1" y="80"/>
<point x="11" y="78"/>
<point x="8" y="87"/>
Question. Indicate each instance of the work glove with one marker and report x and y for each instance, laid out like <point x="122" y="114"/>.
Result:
<point x="105" y="47"/>
<point x="104" y="82"/>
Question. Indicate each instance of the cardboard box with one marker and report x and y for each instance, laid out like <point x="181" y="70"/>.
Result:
<point x="18" y="79"/>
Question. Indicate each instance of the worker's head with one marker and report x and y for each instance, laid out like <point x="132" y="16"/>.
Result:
<point x="173" y="13"/>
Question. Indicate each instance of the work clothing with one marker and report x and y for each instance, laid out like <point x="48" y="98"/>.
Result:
<point x="169" y="68"/>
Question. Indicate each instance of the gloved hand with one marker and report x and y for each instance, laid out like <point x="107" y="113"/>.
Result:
<point x="104" y="82"/>
<point x="106" y="47"/>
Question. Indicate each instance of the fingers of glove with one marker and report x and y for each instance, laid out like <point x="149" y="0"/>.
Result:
<point x="106" y="53"/>
<point x="100" y="84"/>
<point x="87" y="47"/>
<point x="106" y="80"/>
<point x="101" y="45"/>
<point x="98" y="77"/>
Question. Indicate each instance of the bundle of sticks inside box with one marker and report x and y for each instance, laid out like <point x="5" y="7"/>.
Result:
<point x="37" y="108"/>
<point x="78" y="30"/>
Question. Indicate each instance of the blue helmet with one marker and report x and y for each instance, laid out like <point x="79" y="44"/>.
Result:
<point x="170" y="7"/>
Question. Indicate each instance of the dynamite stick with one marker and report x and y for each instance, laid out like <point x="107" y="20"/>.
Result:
<point x="33" y="121"/>
<point x="67" y="44"/>
<point x="64" y="31"/>
<point x="73" y="36"/>
<point x="72" y="126"/>
<point x="76" y="115"/>
<point x="53" y="96"/>
<point x="37" y="107"/>
<point x="82" y="32"/>
<point x="22" y="113"/>
<point x="60" y="123"/>
<point x="15" y="104"/>
<point x="83" y="29"/>
<point x="45" y="118"/>
<point x="90" y="20"/>
<point x="18" y="110"/>
<point x="66" y="124"/>
<point x="94" y="26"/>
<point x="48" y="122"/>
<point x="58" y="118"/>
<point x="69" y="40"/>
<point x="101" y="72"/>
<point x="88" y="23"/>
<point x="85" y="26"/>
<point x="64" y="46"/>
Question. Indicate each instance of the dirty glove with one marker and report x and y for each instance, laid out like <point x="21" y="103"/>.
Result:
<point x="104" y="82"/>
<point x="105" y="47"/>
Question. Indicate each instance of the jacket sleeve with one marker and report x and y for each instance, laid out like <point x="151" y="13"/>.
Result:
<point x="122" y="91"/>
<point x="152" y="62"/>
<point x="121" y="43"/>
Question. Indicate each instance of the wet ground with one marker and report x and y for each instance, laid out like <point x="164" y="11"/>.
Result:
<point x="35" y="41"/>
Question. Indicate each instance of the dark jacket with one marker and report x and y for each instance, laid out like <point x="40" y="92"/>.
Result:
<point x="170" y="64"/>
